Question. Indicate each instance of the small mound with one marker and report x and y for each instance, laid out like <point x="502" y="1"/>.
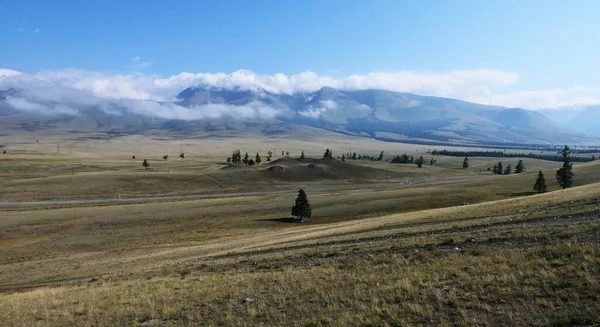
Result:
<point x="316" y="167"/>
<point x="276" y="169"/>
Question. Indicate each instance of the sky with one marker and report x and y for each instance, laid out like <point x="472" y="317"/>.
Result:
<point x="516" y="53"/>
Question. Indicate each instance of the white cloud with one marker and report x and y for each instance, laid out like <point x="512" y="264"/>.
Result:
<point x="472" y="85"/>
<point x="552" y="98"/>
<point x="137" y="64"/>
<point x="329" y="104"/>
<point x="8" y="72"/>
<point x="53" y="109"/>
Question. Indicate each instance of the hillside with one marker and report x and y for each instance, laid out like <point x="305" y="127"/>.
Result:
<point x="378" y="114"/>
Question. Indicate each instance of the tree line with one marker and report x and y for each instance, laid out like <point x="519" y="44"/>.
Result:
<point x="502" y="154"/>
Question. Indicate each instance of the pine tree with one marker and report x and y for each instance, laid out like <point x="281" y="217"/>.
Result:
<point x="343" y="157"/>
<point x="246" y="158"/>
<point x="593" y="157"/>
<point x="380" y="156"/>
<point x="165" y="157"/>
<point x="257" y="160"/>
<point x="495" y="170"/>
<point x="508" y="169"/>
<point x="182" y="156"/>
<point x="466" y="162"/>
<point x="520" y="167"/>
<point x="146" y="164"/>
<point x="302" y="208"/>
<point x="354" y="156"/>
<point x="432" y="162"/>
<point x="328" y="154"/>
<point x="251" y="162"/>
<point x="420" y="161"/>
<point x="564" y="175"/>
<point x="302" y="155"/>
<point x="499" y="170"/>
<point x="411" y="160"/>
<point x="540" y="183"/>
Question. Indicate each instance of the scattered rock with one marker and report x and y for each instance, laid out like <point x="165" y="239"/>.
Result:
<point x="247" y="300"/>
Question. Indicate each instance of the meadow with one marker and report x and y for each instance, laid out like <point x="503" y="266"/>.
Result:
<point x="199" y="242"/>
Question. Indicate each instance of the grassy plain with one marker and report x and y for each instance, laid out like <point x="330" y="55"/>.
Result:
<point x="388" y="244"/>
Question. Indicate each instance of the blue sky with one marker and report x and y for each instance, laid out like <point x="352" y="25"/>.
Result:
<point x="549" y="45"/>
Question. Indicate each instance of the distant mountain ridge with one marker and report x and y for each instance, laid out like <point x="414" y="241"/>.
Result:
<point x="398" y="116"/>
<point x="380" y="114"/>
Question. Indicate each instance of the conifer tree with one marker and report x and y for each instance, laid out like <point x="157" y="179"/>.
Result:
<point x="302" y="208"/>
<point x="499" y="170"/>
<point x="302" y="155"/>
<point x="257" y="160"/>
<point x="432" y="162"/>
<point x="246" y="158"/>
<point x="466" y="162"/>
<point x="343" y="157"/>
<point x="540" y="183"/>
<point x="495" y="170"/>
<point x="564" y="175"/>
<point x="354" y="156"/>
<point x="146" y="164"/>
<point x="420" y="161"/>
<point x="380" y="156"/>
<point x="508" y="169"/>
<point x="520" y="167"/>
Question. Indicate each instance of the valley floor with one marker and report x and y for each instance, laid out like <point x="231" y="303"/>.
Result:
<point x="396" y="246"/>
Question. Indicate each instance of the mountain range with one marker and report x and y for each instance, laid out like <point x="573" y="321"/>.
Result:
<point x="380" y="114"/>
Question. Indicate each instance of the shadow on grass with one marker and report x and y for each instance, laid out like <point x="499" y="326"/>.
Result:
<point x="515" y="194"/>
<point x="281" y="220"/>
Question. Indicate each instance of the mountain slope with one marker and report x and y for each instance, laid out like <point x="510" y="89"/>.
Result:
<point x="222" y="111"/>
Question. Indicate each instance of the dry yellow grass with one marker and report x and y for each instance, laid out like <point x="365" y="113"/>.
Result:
<point x="376" y="252"/>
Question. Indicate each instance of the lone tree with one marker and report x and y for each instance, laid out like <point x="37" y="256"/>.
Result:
<point x="564" y="175"/>
<point x="133" y="157"/>
<point x="540" y="183"/>
<point x="466" y="162"/>
<point x="302" y="155"/>
<point x="420" y="161"/>
<point x="146" y="164"/>
<point x="520" y="167"/>
<point x="246" y="158"/>
<point x="380" y="156"/>
<point x="165" y="157"/>
<point x="328" y="154"/>
<point x="302" y="208"/>
<point x="182" y="156"/>
<point x="257" y="160"/>
<point x="499" y="170"/>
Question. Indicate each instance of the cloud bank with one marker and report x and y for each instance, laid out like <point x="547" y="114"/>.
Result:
<point x="65" y="91"/>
